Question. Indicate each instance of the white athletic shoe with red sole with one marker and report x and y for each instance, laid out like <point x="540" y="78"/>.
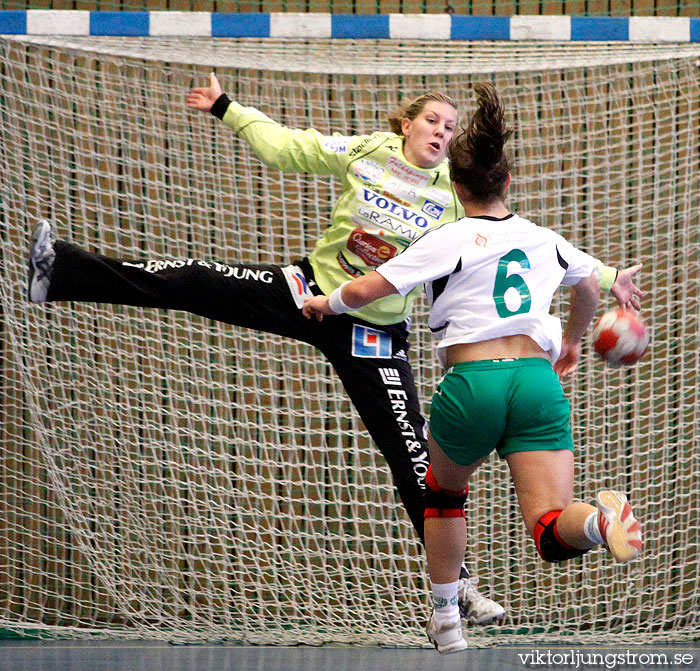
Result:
<point x="621" y="531"/>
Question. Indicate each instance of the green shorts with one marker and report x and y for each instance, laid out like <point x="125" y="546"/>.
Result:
<point x="507" y="405"/>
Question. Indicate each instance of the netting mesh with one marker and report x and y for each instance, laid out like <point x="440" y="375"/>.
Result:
<point x="165" y="476"/>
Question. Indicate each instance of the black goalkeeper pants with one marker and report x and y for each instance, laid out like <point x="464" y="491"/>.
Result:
<point x="370" y="360"/>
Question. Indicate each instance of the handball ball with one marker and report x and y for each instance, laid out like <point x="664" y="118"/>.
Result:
<point x="620" y="337"/>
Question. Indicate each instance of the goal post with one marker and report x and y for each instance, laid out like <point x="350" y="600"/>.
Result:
<point x="165" y="476"/>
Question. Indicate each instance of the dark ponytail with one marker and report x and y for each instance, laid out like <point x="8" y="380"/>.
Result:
<point x="476" y="154"/>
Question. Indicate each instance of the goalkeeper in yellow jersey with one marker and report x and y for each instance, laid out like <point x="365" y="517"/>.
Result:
<point x="490" y="279"/>
<point x="395" y="186"/>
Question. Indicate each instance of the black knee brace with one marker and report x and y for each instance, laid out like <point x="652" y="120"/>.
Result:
<point x="441" y="502"/>
<point x="548" y="542"/>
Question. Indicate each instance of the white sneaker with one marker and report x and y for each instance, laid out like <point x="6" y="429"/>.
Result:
<point x="448" y="638"/>
<point x="620" y="530"/>
<point x="41" y="258"/>
<point x="474" y="606"/>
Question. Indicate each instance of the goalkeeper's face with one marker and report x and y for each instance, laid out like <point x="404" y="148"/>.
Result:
<point x="427" y="136"/>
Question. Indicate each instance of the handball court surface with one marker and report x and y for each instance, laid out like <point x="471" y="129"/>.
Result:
<point x="34" y="655"/>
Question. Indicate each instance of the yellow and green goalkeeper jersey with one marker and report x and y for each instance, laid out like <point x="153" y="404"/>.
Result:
<point x="386" y="202"/>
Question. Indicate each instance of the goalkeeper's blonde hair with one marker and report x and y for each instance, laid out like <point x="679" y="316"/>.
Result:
<point x="412" y="108"/>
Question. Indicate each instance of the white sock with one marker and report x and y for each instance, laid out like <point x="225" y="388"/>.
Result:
<point x="592" y="530"/>
<point x="445" y="602"/>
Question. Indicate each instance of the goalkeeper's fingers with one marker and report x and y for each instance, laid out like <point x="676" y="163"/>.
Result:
<point x="214" y="85"/>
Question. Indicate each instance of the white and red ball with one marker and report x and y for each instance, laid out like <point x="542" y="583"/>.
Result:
<point x="620" y="337"/>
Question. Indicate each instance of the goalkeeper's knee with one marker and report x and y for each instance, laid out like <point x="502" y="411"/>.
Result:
<point x="548" y="542"/>
<point x="441" y="502"/>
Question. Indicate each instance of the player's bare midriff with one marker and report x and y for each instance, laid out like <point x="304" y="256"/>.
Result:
<point x="506" y="347"/>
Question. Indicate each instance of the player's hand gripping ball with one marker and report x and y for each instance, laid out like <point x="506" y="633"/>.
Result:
<point x="620" y="337"/>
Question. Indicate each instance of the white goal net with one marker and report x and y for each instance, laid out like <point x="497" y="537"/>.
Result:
<point x="164" y="476"/>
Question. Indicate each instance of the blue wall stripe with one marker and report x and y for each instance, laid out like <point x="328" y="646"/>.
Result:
<point x="604" y="29"/>
<point x="240" y="25"/>
<point x="480" y="28"/>
<point x="354" y="26"/>
<point x="695" y="30"/>
<point x="129" y="24"/>
<point x="360" y="26"/>
<point x="13" y="22"/>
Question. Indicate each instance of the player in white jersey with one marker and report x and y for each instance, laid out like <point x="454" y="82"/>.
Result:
<point x="490" y="279"/>
<point x="483" y="266"/>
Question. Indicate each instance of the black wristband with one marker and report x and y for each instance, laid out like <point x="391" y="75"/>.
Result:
<point x="218" y="109"/>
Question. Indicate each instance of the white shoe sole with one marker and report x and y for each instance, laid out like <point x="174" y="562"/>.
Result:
<point x="623" y="534"/>
<point x="448" y="649"/>
<point x="483" y="620"/>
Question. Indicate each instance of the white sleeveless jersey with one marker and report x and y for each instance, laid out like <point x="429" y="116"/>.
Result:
<point x="486" y="278"/>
